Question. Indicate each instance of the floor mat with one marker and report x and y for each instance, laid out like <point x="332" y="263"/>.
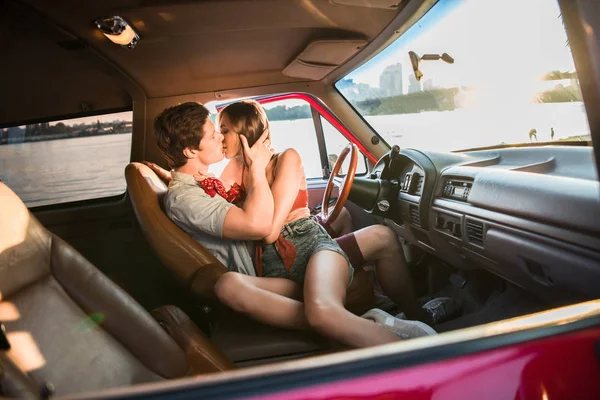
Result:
<point x="511" y="303"/>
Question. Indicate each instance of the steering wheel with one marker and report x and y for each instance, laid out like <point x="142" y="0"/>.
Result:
<point x="344" y="184"/>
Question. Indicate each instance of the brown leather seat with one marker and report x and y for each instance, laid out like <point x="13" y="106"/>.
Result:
<point x="189" y="261"/>
<point x="69" y="325"/>
<point x="196" y="268"/>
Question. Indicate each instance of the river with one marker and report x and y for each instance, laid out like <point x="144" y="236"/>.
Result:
<point x="64" y="170"/>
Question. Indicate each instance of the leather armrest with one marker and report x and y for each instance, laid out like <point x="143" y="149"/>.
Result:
<point x="201" y="353"/>
<point x="202" y="284"/>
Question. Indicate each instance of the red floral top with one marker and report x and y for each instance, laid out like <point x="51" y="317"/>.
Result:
<point x="213" y="186"/>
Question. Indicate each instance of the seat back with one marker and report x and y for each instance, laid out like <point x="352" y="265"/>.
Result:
<point x="194" y="266"/>
<point x="67" y="323"/>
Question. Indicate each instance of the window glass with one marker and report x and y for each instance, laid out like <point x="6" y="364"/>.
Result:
<point x="335" y="143"/>
<point x="67" y="160"/>
<point x="512" y="79"/>
<point x="292" y="126"/>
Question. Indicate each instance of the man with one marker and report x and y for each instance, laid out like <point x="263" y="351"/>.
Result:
<point x="190" y="143"/>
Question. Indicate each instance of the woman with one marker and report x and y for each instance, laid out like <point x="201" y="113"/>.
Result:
<point x="298" y="249"/>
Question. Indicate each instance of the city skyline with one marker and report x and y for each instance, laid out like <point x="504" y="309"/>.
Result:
<point x="449" y="27"/>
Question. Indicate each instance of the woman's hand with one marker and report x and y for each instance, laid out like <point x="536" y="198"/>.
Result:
<point x="162" y="173"/>
<point x="259" y="155"/>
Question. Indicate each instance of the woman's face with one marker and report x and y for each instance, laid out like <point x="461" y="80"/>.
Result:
<point x="231" y="143"/>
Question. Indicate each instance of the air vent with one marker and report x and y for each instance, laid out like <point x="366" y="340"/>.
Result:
<point x="419" y="185"/>
<point x="475" y="232"/>
<point x="413" y="214"/>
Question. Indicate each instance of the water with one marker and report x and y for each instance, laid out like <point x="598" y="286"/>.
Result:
<point x="64" y="170"/>
<point x="83" y="168"/>
<point x="478" y="127"/>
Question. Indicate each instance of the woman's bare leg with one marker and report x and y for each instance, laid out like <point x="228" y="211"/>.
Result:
<point x="272" y="301"/>
<point x="327" y="276"/>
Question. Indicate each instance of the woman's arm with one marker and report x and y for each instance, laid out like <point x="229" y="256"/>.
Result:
<point x="288" y="176"/>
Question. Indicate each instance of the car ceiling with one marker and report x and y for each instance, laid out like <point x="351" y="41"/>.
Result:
<point x="60" y="64"/>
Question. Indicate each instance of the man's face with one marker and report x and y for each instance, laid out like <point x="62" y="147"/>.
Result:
<point x="211" y="145"/>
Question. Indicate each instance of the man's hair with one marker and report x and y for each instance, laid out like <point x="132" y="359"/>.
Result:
<point x="179" y="127"/>
<point x="247" y="118"/>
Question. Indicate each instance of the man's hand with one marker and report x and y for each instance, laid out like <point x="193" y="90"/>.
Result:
<point x="162" y="173"/>
<point x="259" y="155"/>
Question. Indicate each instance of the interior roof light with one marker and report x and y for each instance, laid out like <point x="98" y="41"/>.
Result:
<point x="118" y="31"/>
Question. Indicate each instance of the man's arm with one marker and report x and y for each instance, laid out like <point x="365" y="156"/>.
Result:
<point x="254" y="221"/>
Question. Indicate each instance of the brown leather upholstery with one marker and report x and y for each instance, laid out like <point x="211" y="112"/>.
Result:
<point x="189" y="260"/>
<point x="197" y="347"/>
<point x="68" y="324"/>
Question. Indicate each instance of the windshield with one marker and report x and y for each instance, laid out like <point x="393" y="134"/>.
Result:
<point x="512" y="81"/>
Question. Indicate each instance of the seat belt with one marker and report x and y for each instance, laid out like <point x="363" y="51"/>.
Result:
<point x="4" y="347"/>
<point x="21" y="382"/>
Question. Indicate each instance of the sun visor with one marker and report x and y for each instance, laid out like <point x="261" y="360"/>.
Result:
<point x="321" y="57"/>
<point x="387" y="4"/>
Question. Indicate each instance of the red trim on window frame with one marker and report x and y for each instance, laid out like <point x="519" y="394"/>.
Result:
<point x="322" y="109"/>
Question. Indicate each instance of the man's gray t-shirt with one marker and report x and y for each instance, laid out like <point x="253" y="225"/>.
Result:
<point x="202" y="217"/>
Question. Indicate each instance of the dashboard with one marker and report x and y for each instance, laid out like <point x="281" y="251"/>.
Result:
<point x="529" y="215"/>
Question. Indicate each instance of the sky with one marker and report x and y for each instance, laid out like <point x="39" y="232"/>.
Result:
<point x="500" y="43"/>
<point x="123" y="116"/>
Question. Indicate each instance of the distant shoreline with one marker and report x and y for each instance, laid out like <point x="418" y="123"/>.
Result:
<point x="17" y="139"/>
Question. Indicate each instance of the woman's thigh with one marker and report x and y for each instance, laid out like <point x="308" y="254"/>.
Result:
<point x="326" y="280"/>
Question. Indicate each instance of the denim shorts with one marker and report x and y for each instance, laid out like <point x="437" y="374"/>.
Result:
<point x="308" y="237"/>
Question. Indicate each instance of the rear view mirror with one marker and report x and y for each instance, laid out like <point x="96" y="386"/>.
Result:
<point x="415" y="61"/>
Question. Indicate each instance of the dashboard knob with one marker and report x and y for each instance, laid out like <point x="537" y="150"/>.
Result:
<point x="383" y="205"/>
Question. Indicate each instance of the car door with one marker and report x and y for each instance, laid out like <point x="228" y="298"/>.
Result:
<point x="302" y="122"/>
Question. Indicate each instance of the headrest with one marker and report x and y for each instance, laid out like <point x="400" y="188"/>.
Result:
<point x="146" y="180"/>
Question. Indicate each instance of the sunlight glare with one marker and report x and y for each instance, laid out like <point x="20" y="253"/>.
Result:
<point x="8" y="312"/>
<point x="312" y="9"/>
<point x="588" y="29"/>
<point x="13" y="234"/>
<point x="24" y="351"/>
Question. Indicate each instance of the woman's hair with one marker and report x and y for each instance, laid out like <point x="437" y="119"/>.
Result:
<point x="179" y="127"/>
<point x="247" y="118"/>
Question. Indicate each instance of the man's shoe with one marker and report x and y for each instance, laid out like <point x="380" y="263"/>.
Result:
<point x="401" y="328"/>
<point x="441" y="309"/>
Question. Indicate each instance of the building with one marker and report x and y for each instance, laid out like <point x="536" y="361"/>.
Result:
<point x="390" y="81"/>
<point x="428" y="85"/>
<point x="414" y="86"/>
<point x="356" y="91"/>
